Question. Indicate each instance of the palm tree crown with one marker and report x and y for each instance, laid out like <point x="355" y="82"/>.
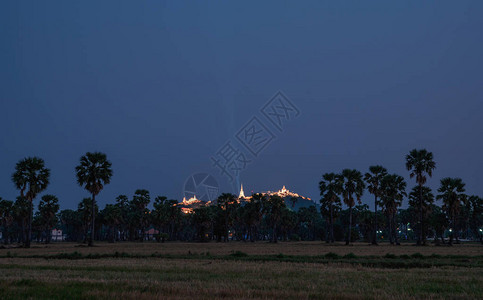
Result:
<point x="394" y="191"/>
<point x="330" y="186"/>
<point x="94" y="172"/>
<point x="452" y="193"/>
<point x="31" y="176"/>
<point x="353" y="186"/>
<point x="420" y="162"/>
<point x="373" y="179"/>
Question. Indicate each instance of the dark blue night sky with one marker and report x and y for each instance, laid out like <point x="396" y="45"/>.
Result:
<point x="161" y="86"/>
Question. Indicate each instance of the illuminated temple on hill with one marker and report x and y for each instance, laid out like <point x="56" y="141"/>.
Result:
<point x="292" y="200"/>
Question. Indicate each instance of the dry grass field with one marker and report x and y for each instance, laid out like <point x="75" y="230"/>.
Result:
<point x="258" y="248"/>
<point x="238" y="270"/>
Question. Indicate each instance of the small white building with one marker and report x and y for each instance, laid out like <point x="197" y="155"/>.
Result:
<point x="57" y="235"/>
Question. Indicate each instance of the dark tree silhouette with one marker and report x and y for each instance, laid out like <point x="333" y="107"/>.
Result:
<point x="93" y="173"/>
<point x="373" y="179"/>
<point x="48" y="208"/>
<point x="353" y="185"/>
<point x="393" y="191"/>
<point x="330" y="189"/>
<point x="31" y="177"/>
<point x="420" y="163"/>
<point x="453" y="196"/>
<point x="423" y="207"/>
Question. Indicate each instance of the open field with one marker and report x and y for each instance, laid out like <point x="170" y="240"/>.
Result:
<point x="258" y="248"/>
<point x="241" y="270"/>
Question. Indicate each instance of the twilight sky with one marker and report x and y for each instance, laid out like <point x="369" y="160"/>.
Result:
<point x="161" y="86"/>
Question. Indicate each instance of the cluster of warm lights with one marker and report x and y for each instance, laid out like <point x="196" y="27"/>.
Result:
<point x="282" y="193"/>
<point x="285" y="193"/>
<point x="193" y="200"/>
<point x="186" y="210"/>
<point x="190" y="201"/>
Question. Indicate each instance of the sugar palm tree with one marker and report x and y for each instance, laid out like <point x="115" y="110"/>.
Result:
<point x="112" y="217"/>
<point x="48" y="208"/>
<point x="330" y="189"/>
<point x="139" y="205"/>
<point x="274" y="210"/>
<point x="373" y="179"/>
<point x="353" y="185"/>
<point x="421" y="208"/>
<point x="420" y="163"/>
<point x="122" y="201"/>
<point x="31" y="177"/>
<point x="254" y="213"/>
<point x="159" y="214"/>
<point x="453" y="196"/>
<point x="393" y="191"/>
<point x="93" y="173"/>
<point x="226" y="203"/>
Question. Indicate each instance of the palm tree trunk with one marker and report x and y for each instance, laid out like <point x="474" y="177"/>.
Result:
<point x="29" y="231"/>
<point x="274" y="234"/>
<point x="374" y="241"/>
<point x="331" y="224"/>
<point x="421" y="232"/>
<point x="49" y="235"/>
<point x="350" y="227"/>
<point x="5" y="233"/>
<point x="455" y="231"/>
<point x="452" y="230"/>
<point x="93" y="219"/>
<point x="389" y="219"/>
<point x="395" y="229"/>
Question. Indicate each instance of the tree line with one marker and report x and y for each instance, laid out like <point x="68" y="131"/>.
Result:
<point x="262" y="217"/>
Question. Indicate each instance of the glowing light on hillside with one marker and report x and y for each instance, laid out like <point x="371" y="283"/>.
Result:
<point x="190" y="201"/>
<point x="189" y="205"/>
<point x="187" y="210"/>
<point x="284" y="193"/>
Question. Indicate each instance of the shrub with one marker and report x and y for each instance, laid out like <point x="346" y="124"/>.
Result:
<point x="350" y="255"/>
<point x="332" y="255"/>
<point x="238" y="254"/>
